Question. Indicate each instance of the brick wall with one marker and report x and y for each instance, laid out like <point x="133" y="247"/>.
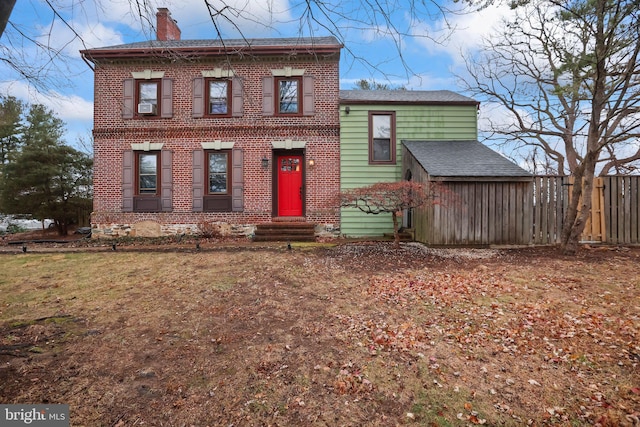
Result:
<point x="182" y="134"/>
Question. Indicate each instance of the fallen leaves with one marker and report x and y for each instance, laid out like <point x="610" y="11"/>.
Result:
<point x="546" y="325"/>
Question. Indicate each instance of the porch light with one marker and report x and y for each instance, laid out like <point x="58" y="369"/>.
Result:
<point x="265" y="163"/>
<point x="312" y="162"/>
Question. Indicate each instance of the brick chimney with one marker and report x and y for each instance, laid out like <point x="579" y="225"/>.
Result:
<point x="167" y="27"/>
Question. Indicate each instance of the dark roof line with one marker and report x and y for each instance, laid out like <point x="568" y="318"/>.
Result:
<point x="404" y="97"/>
<point x="217" y="47"/>
<point x="468" y="158"/>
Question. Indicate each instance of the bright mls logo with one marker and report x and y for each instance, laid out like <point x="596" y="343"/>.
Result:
<point x="34" y="415"/>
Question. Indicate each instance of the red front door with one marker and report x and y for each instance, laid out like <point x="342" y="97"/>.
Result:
<point x="289" y="185"/>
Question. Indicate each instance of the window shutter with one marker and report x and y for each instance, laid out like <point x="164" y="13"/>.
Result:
<point x="198" y="97"/>
<point x="166" y="188"/>
<point x="198" y="180"/>
<point x="237" y="181"/>
<point x="237" y="100"/>
<point x="268" y="102"/>
<point x="166" y="108"/>
<point x="308" y="105"/>
<point x="127" y="181"/>
<point x="128" y="101"/>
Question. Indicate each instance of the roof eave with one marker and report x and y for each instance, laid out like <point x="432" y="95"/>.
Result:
<point x="417" y="102"/>
<point x="512" y="178"/>
<point x="210" y="51"/>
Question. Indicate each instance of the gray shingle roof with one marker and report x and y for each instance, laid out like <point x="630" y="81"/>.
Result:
<point x="403" y="96"/>
<point x="231" y="43"/>
<point x="462" y="159"/>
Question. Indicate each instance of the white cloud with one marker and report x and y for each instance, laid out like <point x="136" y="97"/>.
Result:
<point x="494" y="115"/>
<point x="75" y="111"/>
<point x="252" y="18"/>
<point x="464" y="31"/>
<point x="431" y="82"/>
<point x="66" y="40"/>
<point x="66" y="107"/>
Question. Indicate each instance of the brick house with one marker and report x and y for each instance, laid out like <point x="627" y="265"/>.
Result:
<point x="233" y="133"/>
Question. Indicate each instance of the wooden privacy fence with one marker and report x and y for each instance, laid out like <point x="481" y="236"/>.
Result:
<point x="622" y="209"/>
<point x="614" y="215"/>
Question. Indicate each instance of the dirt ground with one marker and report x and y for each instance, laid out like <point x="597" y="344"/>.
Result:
<point x="211" y="333"/>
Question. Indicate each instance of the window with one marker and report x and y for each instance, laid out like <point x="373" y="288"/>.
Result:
<point x="288" y="96"/>
<point x="145" y="98"/>
<point x="218" y="97"/>
<point x="214" y="97"/>
<point x="288" y="90"/>
<point x="148" y="173"/>
<point x="218" y="179"/>
<point x="217" y="196"/>
<point x="147" y="179"/>
<point x="382" y="137"/>
<point x="218" y="172"/>
<point x="147" y="183"/>
<point x="148" y="95"/>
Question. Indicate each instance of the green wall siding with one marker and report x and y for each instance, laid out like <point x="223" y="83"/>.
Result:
<point x="433" y="122"/>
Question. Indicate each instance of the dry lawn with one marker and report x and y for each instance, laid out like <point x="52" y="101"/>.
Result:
<point x="350" y="335"/>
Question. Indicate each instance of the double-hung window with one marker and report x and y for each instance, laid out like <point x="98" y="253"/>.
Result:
<point x="147" y="182"/>
<point x="218" y="97"/>
<point x="288" y="90"/>
<point x="147" y="95"/>
<point x="217" y="94"/>
<point x="218" y="181"/>
<point x="218" y="172"/>
<point x="148" y="173"/>
<point x="382" y="137"/>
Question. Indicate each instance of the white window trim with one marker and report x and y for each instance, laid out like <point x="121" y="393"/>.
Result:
<point x="287" y="72"/>
<point x="288" y="144"/>
<point x="147" y="75"/>
<point x="218" y="73"/>
<point x="217" y="145"/>
<point x="147" y="146"/>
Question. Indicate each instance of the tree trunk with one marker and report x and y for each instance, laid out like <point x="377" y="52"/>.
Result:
<point x="62" y="226"/>
<point x="6" y="6"/>
<point x="396" y="234"/>
<point x="583" y="185"/>
<point x="579" y="207"/>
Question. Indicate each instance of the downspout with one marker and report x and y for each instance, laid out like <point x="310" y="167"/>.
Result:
<point x="87" y="61"/>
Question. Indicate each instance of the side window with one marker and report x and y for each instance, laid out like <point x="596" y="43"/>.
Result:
<point x="288" y="90"/>
<point x="218" y="97"/>
<point x="382" y="135"/>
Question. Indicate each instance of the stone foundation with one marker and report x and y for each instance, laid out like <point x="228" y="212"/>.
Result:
<point x="211" y="229"/>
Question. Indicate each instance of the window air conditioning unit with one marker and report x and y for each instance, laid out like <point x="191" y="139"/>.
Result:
<point x="147" y="108"/>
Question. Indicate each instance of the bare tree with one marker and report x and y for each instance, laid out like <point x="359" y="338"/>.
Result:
<point x="312" y="16"/>
<point x="567" y="72"/>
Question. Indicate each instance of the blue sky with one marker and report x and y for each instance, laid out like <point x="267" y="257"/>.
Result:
<point x="384" y="45"/>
